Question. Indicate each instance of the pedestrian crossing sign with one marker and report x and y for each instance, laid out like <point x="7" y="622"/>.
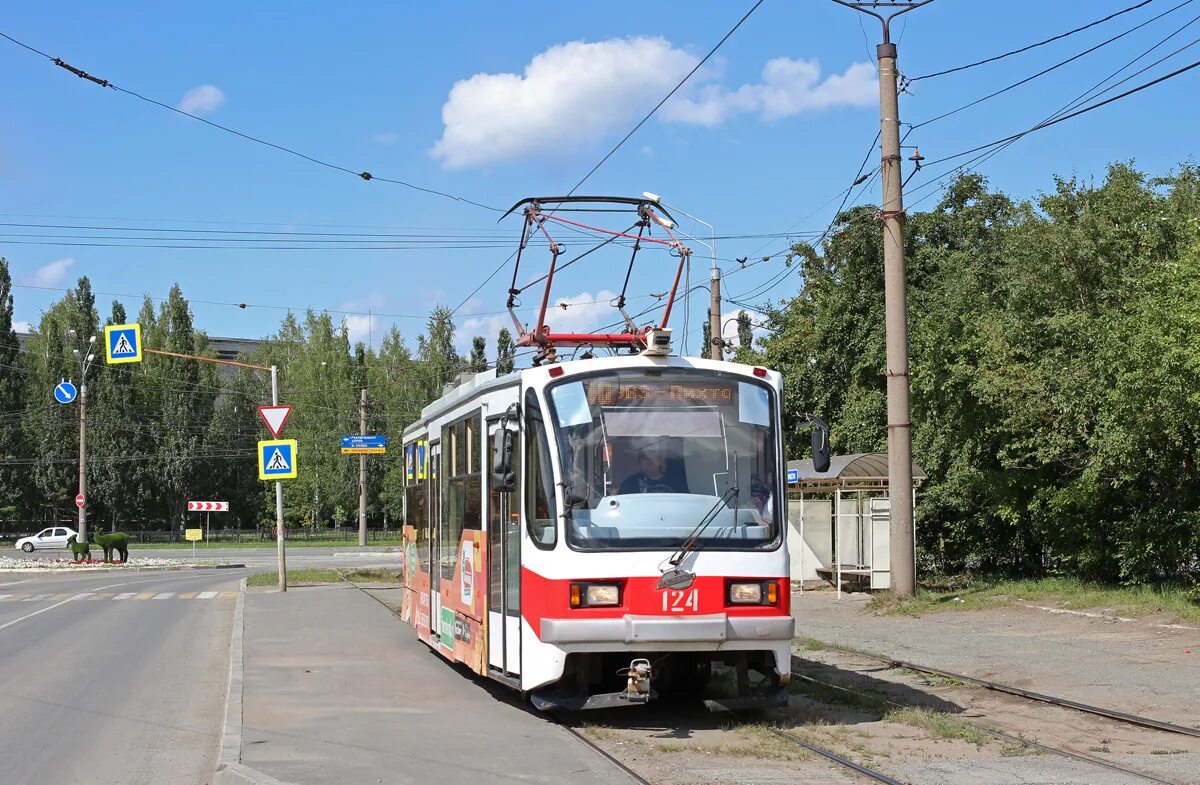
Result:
<point x="123" y="343"/>
<point x="277" y="459"/>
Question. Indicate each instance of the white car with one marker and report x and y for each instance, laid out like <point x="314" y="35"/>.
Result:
<point x="55" y="537"/>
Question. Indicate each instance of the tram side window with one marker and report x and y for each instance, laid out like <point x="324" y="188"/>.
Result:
<point x="504" y="539"/>
<point x="539" y="484"/>
<point x="462" y="487"/>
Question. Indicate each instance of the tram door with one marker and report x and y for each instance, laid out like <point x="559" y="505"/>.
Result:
<point x="435" y="540"/>
<point x="504" y="572"/>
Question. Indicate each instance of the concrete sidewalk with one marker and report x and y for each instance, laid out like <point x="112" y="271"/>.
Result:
<point x="336" y="689"/>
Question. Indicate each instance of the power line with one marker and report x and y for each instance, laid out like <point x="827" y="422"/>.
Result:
<point x="1054" y="67"/>
<point x="667" y="97"/>
<point x="1031" y="46"/>
<point x="364" y="175"/>
<point x="1066" y="117"/>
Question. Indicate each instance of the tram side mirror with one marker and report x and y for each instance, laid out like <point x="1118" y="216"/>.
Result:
<point x="820" y="444"/>
<point x="503" y="478"/>
<point x="575" y="493"/>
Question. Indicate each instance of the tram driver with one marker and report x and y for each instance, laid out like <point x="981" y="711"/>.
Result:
<point x="654" y="473"/>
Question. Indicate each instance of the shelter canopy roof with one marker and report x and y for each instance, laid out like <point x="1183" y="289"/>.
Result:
<point x="858" y="472"/>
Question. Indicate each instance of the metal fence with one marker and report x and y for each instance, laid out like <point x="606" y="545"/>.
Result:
<point x="301" y="533"/>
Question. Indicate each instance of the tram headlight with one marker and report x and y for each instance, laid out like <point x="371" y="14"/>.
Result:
<point x="595" y="595"/>
<point x="745" y="594"/>
<point x="753" y="592"/>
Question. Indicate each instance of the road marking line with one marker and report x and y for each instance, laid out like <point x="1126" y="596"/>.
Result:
<point x="5" y="596"/>
<point x="125" y="595"/>
<point x="187" y="595"/>
<point x="36" y="597"/>
<point x="144" y="595"/>
<point x="40" y="610"/>
<point x="229" y="595"/>
<point x="206" y="595"/>
<point x="103" y="596"/>
<point x="14" y="583"/>
<point x="166" y="595"/>
<point x="60" y="596"/>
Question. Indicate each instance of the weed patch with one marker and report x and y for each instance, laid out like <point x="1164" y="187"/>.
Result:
<point x="937" y="725"/>
<point x="295" y="578"/>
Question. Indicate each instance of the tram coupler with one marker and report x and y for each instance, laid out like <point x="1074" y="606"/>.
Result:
<point x="637" y="689"/>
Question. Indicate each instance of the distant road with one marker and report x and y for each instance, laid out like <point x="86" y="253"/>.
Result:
<point x="251" y="557"/>
<point x="114" y="678"/>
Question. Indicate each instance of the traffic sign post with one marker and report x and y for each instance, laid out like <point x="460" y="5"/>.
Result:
<point x="123" y="343"/>
<point x="79" y="500"/>
<point x="208" y="508"/>
<point x="65" y="392"/>
<point x="275" y="417"/>
<point x="192" y="535"/>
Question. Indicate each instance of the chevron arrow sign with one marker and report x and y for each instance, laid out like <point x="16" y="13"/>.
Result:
<point x="208" y="506"/>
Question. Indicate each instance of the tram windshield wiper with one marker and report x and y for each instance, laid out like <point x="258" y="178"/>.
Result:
<point x="692" y="541"/>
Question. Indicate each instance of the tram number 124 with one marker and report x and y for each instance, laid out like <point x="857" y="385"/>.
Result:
<point x="680" y="600"/>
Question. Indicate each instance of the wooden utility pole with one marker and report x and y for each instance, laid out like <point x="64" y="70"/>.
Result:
<point x="899" y="425"/>
<point x="714" y="315"/>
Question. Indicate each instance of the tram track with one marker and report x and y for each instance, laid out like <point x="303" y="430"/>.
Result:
<point x="1066" y="703"/>
<point x="1065" y="752"/>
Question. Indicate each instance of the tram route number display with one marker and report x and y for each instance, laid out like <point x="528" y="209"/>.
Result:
<point x="603" y="393"/>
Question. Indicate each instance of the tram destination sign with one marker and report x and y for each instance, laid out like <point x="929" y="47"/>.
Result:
<point x="606" y="393"/>
<point x="364" y="445"/>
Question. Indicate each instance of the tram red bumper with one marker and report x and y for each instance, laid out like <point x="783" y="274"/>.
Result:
<point x="709" y="628"/>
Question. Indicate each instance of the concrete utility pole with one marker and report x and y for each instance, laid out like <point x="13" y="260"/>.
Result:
<point x="714" y="314"/>
<point x="85" y="363"/>
<point x="900" y="488"/>
<point x="362" y="472"/>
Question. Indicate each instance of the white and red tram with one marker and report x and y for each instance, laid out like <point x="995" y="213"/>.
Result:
<point x="602" y="531"/>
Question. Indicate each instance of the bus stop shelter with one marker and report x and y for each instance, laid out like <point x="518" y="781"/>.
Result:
<point x="839" y="521"/>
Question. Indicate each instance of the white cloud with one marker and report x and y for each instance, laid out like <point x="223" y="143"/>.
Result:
<point x="202" y="100"/>
<point x="788" y="87"/>
<point x="51" y="274"/>
<point x="570" y="93"/>
<point x="575" y="93"/>
<point x="729" y="326"/>
<point x="22" y="327"/>
<point x="388" y="137"/>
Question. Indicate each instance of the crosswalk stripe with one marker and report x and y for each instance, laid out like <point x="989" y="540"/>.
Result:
<point x="187" y="595"/>
<point x="36" y="597"/>
<point x="206" y="595"/>
<point x="125" y="595"/>
<point x="144" y="595"/>
<point x="166" y="595"/>
<point x="229" y="595"/>
<point x="5" y="596"/>
<point x="103" y="596"/>
<point x="60" y="597"/>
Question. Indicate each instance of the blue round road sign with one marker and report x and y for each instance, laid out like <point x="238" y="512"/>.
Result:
<point x="65" y="392"/>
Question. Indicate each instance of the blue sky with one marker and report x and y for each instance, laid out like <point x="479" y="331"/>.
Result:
<point x="495" y="104"/>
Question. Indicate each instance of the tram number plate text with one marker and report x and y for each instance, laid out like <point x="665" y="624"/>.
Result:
<point x="680" y="600"/>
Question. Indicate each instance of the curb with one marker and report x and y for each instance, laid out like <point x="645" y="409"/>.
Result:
<point x="230" y="770"/>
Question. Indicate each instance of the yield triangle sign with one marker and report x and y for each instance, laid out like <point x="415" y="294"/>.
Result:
<point x="275" y="417"/>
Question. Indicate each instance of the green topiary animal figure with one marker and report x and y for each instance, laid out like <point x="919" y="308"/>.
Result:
<point x="79" y="550"/>
<point x="118" y="541"/>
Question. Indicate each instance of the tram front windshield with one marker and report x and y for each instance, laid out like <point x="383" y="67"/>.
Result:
<point x="647" y="455"/>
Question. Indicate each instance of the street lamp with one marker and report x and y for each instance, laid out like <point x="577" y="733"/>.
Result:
<point x="714" y="306"/>
<point x="85" y="357"/>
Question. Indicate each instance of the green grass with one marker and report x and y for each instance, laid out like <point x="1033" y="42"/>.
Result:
<point x="1068" y="593"/>
<point x="295" y="577"/>
<point x="380" y="575"/>
<point x="937" y="724"/>
<point x="200" y="546"/>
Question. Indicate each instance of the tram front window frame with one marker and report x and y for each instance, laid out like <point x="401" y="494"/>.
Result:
<point x="617" y="496"/>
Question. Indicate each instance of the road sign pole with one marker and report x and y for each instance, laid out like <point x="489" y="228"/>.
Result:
<point x="362" y="474"/>
<point x="83" y="534"/>
<point x="279" y="495"/>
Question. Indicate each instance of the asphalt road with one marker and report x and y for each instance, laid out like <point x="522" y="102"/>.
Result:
<point x="258" y="558"/>
<point x="118" y="677"/>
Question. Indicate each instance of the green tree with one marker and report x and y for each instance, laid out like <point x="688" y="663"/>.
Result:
<point x="505" y="352"/>
<point x="13" y="476"/>
<point x="478" y="362"/>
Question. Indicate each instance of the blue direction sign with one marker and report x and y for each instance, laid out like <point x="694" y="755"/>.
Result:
<point x="364" y="445"/>
<point x="123" y="343"/>
<point x="65" y="392"/>
<point x="793" y="476"/>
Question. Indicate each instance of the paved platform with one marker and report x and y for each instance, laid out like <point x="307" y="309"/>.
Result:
<point x="336" y="689"/>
